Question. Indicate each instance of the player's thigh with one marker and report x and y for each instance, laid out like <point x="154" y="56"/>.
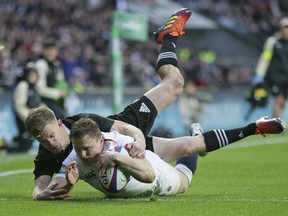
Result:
<point x="168" y="90"/>
<point x="162" y="96"/>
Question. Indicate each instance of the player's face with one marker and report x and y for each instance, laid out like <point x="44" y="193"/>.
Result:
<point x="54" y="137"/>
<point x="88" y="148"/>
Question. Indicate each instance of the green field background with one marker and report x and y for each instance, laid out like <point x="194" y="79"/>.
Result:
<point x="247" y="178"/>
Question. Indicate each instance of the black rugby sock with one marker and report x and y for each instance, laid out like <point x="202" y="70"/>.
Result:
<point x="217" y="139"/>
<point x="168" y="52"/>
<point x="190" y="162"/>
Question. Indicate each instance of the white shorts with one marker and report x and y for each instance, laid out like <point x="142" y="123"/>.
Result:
<point x="168" y="179"/>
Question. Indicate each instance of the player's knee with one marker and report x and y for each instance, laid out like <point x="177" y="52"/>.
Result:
<point x="177" y="83"/>
<point x="172" y="75"/>
<point x="149" y="176"/>
<point x="184" y="183"/>
<point x="185" y="188"/>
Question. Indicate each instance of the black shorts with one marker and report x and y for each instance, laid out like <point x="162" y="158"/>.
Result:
<point x="142" y="114"/>
<point x="278" y="88"/>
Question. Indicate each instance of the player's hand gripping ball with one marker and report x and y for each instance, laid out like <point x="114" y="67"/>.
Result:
<point x="114" y="179"/>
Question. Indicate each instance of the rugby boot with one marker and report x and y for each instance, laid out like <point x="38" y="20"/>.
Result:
<point x="267" y="125"/>
<point x="174" y="26"/>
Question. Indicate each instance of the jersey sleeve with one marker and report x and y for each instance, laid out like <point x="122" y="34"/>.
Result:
<point x="104" y="123"/>
<point x="71" y="157"/>
<point x="47" y="163"/>
<point x="121" y="139"/>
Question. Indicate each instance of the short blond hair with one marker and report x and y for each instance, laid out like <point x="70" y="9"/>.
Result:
<point x="37" y="119"/>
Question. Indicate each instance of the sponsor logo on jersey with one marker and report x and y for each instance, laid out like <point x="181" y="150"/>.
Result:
<point x="90" y="175"/>
<point x="144" y="108"/>
<point x="241" y="135"/>
<point x="169" y="188"/>
<point x="173" y="44"/>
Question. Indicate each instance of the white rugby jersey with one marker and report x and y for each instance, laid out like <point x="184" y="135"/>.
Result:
<point x="166" y="181"/>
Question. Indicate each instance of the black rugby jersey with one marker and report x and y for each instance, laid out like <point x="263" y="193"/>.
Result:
<point x="47" y="163"/>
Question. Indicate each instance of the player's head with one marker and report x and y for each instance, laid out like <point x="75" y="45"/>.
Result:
<point x="42" y="125"/>
<point x="87" y="140"/>
<point x="283" y="24"/>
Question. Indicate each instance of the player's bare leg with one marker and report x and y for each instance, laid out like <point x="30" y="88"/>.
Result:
<point x="171" y="86"/>
<point x="279" y="104"/>
<point x="173" y="149"/>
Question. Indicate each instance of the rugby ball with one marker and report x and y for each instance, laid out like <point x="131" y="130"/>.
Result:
<point x="114" y="179"/>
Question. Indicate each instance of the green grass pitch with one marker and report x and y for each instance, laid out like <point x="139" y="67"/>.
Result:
<point x="247" y="178"/>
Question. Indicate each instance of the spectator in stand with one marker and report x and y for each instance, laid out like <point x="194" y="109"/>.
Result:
<point x="24" y="25"/>
<point x="25" y="97"/>
<point x="190" y="106"/>
<point x="51" y="84"/>
<point x="8" y="68"/>
<point x="272" y="67"/>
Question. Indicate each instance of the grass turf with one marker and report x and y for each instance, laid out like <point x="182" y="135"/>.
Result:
<point x="248" y="178"/>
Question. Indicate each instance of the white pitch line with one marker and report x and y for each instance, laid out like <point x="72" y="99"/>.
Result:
<point x="15" y="172"/>
<point x="193" y="199"/>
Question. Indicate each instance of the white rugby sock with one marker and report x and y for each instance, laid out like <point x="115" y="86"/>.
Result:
<point x="187" y="172"/>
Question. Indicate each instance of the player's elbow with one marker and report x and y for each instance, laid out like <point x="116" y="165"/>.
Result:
<point x="149" y="176"/>
<point x="176" y="84"/>
<point x="35" y="196"/>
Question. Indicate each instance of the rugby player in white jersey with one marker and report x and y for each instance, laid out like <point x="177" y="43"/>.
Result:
<point x="150" y="175"/>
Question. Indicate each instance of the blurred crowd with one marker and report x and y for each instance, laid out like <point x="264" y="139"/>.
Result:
<point x="243" y="16"/>
<point x="82" y="32"/>
<point x="81" y="29"/>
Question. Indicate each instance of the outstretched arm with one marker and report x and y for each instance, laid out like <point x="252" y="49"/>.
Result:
<point x="139" y="168"/>
<point x="44" y="192"/>
<point x="136" y="148"/>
